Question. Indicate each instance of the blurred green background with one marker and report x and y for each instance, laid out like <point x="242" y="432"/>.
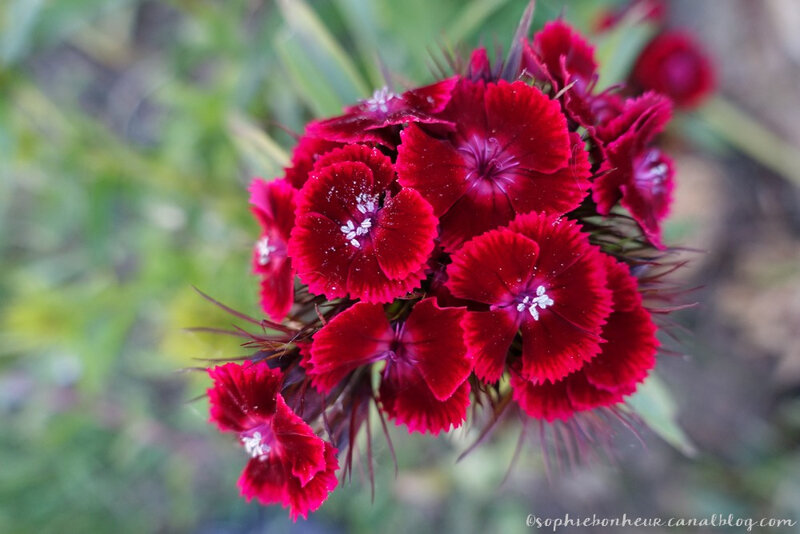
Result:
<point x="128" y="132"/>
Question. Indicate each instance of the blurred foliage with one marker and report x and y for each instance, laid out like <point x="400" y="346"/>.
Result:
<point x="128" y="132"/>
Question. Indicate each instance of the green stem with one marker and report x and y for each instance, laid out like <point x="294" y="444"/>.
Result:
<point x="747" y="135"/>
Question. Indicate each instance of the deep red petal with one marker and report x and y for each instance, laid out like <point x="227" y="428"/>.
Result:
<point x="430" y="99"/>
<point x="354" y="337"/>
<point x="530" y="125"/>
<point x="300" y="448"/>
<point x="377" y="161"/>
<point x="554" y="347"/>
<point x="243" y="395"/>
<point x="623" y="285"/>
<point x="493" y="268"/>
<point x="488" y="336"/>
<point x="648" y="197"/>
<point x="642" y="118"/>
<point x="308" y="498"/>
<point x="628" y="354"/>
<point x="277" y="290"/>
<point x="542" y="400"/>
<point x="404" y="234"/>
<point x="355" y="127"/>
<point x="585" y="396"/>
<point x="321" y="255"/>
<point x="406" y="398"/>
<point x="558" y="192"/>
<point x="306" y="152"/>
<point x="266" y="480"/>
<point x="367" y="281"/>
<point x="270" y="482"/>
<point x="431" y="166"/>
<point x="483" y="207"/>
<point x="434" y="340"/>
<point x="467" y="109"/>
<point x="332" y="191"/>
<point x="556" y="44"/>
<point x="275" y="204"/>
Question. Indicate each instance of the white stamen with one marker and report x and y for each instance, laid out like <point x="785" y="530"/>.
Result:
<point x="263" y="249"/>
<point x="255" y="447"/>
<point x="366" y="204"/>
<point x="380" y="99"/>
<point x="540" y="301"/>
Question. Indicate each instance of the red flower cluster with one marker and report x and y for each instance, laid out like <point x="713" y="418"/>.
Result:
<point x="450" y="246"/>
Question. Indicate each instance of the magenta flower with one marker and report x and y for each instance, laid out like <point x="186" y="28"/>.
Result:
<point x="636" y="173"/>
<point x="510" y="153"/>
<point x="355" y="233"/>
<point x="289" y="464"/>
<point x="627" y="356"/>
<point x="424" y="381"/>
<point x="273" y="205"/>
<point x="674" y="64"/>
<point x="371" y="120"/>
<point x="561" y="55"/>
<point x="539" y="276"/>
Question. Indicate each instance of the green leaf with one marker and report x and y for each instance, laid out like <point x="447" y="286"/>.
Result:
<point x="362" y="21"/>
<point x="745" y="133"/>
<point x="655" y="405"/>
<point x="472" y="17"/>
<point x="618" y="49"/>
<point x="325" y="54"/>
<point x="257" y="146"/>
<point x="18" y="20"/>
<point x="310" y="82"/>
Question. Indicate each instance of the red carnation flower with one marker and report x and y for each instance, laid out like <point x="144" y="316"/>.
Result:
<point x="510" y="153"/>
<point x="562" y="56"/>
<point x="354" y="235"/>
<point x="370" y="120"/>
<point x="627" y="356"/>
<point x="289" y="464"/>
<point x="539" y="276"/>
<point x="424" y="384"/>
<point x="674" y="64"/>
<point x="635" y="171"/>
<point x="273" y="205"/>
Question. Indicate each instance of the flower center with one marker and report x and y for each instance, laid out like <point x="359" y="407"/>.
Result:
<point x="486" y="159"/>
<point x="264" y="249"/>
<point x="366" y="205"/>
<point x="256" y="442"/>
<point x="652" y="172"/>
<point x="380" y="100"/>
<point x="534" y="304"/>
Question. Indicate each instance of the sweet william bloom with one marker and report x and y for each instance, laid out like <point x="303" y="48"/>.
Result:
<point x="635" y="172"/>
<point x="627" y="356"/>
<point x="562" y="56"/>
<point x="289" y="464"/>
<point x="273" y="205"/>
<point x="510" y="153"/>
<point x="541" y="277"/>
<point x="424" y="384"/>
<point x="674" y="64"/>
<point x="371" y="120"/>
<point x="355" y="235"/>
